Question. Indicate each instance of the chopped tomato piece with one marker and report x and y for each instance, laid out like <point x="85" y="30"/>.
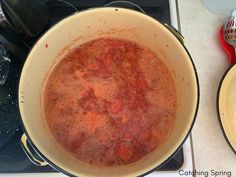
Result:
<point x="128" y="135"/>
<point x="124" y="119"/>
<point x="104" y="138"/>
<point x="134" y="127"/>
<point x="107" y="59"/>
<point x="93" y="65"/>
<point x="125" y="153"/>
<point x="116" y="107"/>
<point x="145" y="135"/>
<point x="93" y="121"/>
<point x="76" y="141"/>
<point x="103" y="72"/>
<point x="116" y="122"/>
<point x="78" y="73"/>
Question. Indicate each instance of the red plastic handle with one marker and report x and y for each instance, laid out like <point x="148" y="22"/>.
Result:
<point x="227" y="48"/>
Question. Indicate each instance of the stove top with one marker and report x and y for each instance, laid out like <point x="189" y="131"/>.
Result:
<point x="12" y="157"/>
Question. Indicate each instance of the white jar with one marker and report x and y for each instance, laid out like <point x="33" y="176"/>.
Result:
<point x="220" y="6"/>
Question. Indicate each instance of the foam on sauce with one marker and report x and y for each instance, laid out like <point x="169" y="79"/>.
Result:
<point x="110" y="102"/>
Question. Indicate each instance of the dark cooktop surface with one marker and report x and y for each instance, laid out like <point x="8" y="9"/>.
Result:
<point x="12" y="157"/>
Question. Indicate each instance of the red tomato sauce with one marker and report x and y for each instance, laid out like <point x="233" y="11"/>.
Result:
<point x="110" y="102"/>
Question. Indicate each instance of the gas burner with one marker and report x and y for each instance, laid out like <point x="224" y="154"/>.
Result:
<point x="4" y="65"/>
<point x="56" y="7"/>
<point x="9" y="77"/>
<point x="125" y="4"/>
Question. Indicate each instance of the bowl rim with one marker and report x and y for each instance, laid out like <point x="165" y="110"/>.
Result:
<point x="220" y="87"/>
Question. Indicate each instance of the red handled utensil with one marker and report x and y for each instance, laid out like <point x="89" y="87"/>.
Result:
<point x="229" y="35"/>
<point x="227" y="48"/>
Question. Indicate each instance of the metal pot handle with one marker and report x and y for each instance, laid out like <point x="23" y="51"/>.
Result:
<point x="25" y="146"/>
<point x="175" y="32"/>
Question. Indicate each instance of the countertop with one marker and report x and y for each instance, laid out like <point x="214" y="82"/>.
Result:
<point x="200" y="28"/>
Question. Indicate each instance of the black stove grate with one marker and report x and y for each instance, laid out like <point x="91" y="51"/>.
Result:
<point x="12" y="157"/>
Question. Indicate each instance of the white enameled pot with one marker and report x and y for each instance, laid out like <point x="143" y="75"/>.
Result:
<point x="88" y="25"/>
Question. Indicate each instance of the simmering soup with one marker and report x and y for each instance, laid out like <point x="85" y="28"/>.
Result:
<point x="110" y="102"/>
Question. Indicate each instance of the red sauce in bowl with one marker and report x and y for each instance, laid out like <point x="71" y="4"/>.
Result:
<point x="110" y="102"/>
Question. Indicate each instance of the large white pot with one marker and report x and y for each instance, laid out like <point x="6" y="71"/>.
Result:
<point x="88" y="25"/>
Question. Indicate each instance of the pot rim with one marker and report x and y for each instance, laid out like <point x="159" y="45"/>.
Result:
<point x="53" y="165"/>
